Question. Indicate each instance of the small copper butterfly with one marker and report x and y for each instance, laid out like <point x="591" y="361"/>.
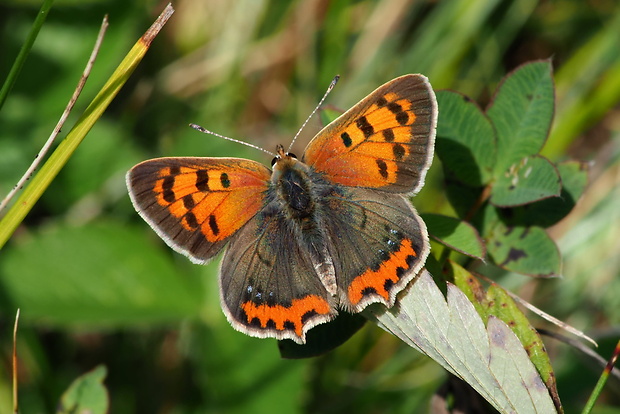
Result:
<point x="332" y="230"/>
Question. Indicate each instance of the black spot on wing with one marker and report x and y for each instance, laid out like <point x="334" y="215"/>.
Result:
<point x="398" y="151"/>
<point x="364" y="126"/>
<point x="388" y="135"/>
<point x="346" y="139"/>
<point x="306" y="316"/>
<point x="368" y="291"/>
<point x="188" y="202"/>
<point x="402" y="117"/>
<point x="224" y="180"/>
<point x="213" y="225"/>
<point x="190" y="218"/>
<point x="382" y="168"/>
<point x="202" y="180"/>
<point x="167" y="186"/>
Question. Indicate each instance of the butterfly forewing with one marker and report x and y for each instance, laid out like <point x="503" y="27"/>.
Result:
<point x="196" y="204"/>
<point x="386" y="141"/>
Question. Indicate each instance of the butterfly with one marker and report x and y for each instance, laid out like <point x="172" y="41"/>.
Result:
<point x="334" y="230"/>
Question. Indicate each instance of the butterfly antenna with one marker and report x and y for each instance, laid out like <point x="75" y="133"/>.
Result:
<point x="329" y="89"/>
<point x="206" y="131"/>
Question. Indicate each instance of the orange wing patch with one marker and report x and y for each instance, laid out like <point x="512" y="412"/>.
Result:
<point x="194" y="203"/>
<point x="216" y="199"/>
<point x="387" y="275"/>
<point x="372" y="146"/>
<point x="283" y="318"/>
<point x="383" y="141"/>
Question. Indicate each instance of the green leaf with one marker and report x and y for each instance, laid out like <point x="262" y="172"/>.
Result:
<point x="531" y="179"/>
<point x="99" y="275"/>
<point x="507" y="354"/>
<point x="521" y="112"/>
<point x="548" y="212"/>
<point x="491" y="359"/>
<point x="502" y="306"/>
<point x="86" y="395"/>
<point x="469" y="285"/>
<point x="496" y="302"/>
<point x="525" y="250"/>
<point x="456" y="234"/>
<point x="465" y="139"/>
<point x="462" y="198"/>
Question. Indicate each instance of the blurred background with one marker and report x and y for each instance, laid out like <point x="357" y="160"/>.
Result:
<point x="96" y="285"/>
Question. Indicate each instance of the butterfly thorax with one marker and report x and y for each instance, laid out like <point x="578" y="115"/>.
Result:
<point x="299" y="193"/>
<point x="293" y="187"/>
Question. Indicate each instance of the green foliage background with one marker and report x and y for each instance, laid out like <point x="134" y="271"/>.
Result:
<point x="96" y="285"/>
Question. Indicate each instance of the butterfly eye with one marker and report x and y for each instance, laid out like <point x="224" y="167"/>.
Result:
<point x="290" y="154"/>
<point x="274" y="160"/>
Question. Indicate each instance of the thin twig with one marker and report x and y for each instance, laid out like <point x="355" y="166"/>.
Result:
<point x="484" y="196"/>
<point x="15" y="399"/>
<point x="544" y="315"/>
<point x="63" y="118"/>
<point x="580" y="346"/>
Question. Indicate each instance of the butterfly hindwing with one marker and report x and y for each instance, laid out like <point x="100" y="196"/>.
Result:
<point x="378" y="245"/>
<point x="386" y="141"/>
<point x="268" y="283"/>
<point x="196" y="204"/>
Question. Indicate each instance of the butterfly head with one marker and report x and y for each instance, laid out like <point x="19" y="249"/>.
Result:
<point x="284" y="163"/>
<point x="282" y="158"/>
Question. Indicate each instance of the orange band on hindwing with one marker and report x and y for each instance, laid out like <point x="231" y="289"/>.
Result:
<point x="283" y="318"/>
<point x="387" y="275"/>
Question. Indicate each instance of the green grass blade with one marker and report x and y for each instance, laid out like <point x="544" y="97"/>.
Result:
<point x="93" y="112"/>
<point x="601" y="381"/>
<point x="23" y="53"/>
<point x="588" y="86"/>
